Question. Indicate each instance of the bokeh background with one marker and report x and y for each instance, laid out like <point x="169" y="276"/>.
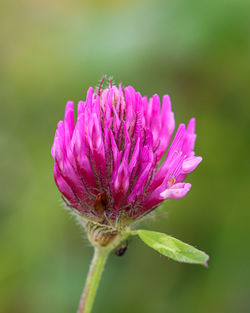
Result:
<point x="196" y="51"/>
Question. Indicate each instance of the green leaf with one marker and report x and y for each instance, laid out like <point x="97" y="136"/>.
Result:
<point x="172" y="248"/>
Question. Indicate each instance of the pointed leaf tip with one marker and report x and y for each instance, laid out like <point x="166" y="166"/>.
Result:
<point x="173" y="248"/>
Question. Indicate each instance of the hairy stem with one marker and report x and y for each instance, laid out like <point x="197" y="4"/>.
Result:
<point x="93" y="279"/>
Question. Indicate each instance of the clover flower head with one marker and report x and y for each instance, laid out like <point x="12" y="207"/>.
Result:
<point x="108" y="163"/>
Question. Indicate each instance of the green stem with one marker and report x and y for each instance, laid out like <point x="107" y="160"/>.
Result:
<point x="93" y="279"/>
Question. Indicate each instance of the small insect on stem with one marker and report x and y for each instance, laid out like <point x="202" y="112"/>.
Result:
<point x="121" y="250"/>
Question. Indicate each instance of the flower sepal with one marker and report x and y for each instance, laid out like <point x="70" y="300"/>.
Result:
<point x="103" y="236"/>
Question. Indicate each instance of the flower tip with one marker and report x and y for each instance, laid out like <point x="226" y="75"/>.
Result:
<point x="166" y="103"/>
<point x="199" y="159"/>
<point x="191" y="125"/>
<point x="191" y="163"/>
<point x="181" y="128"/>
<point x="69" y="106"/>
<point x="176" y="191"/>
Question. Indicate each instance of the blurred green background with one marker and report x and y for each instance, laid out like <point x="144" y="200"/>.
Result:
<point x="196" y="51"/>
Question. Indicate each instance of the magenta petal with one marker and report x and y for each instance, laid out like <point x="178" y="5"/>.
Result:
<point x="89" y="96"/>
<point x="189" y="141"/>
<point x="191" y="126"/>
<point x="69" y="121"/>
<point x="176" y="191"/>
<point x="139" y="187"/>
<point x="190" y="164"/>
<point x="64" y="187"/>
<point x="121" y="182"/>
<point x="115" y="150"/>
<point x="135" y="156"/>
<point x="95" y="139"/>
